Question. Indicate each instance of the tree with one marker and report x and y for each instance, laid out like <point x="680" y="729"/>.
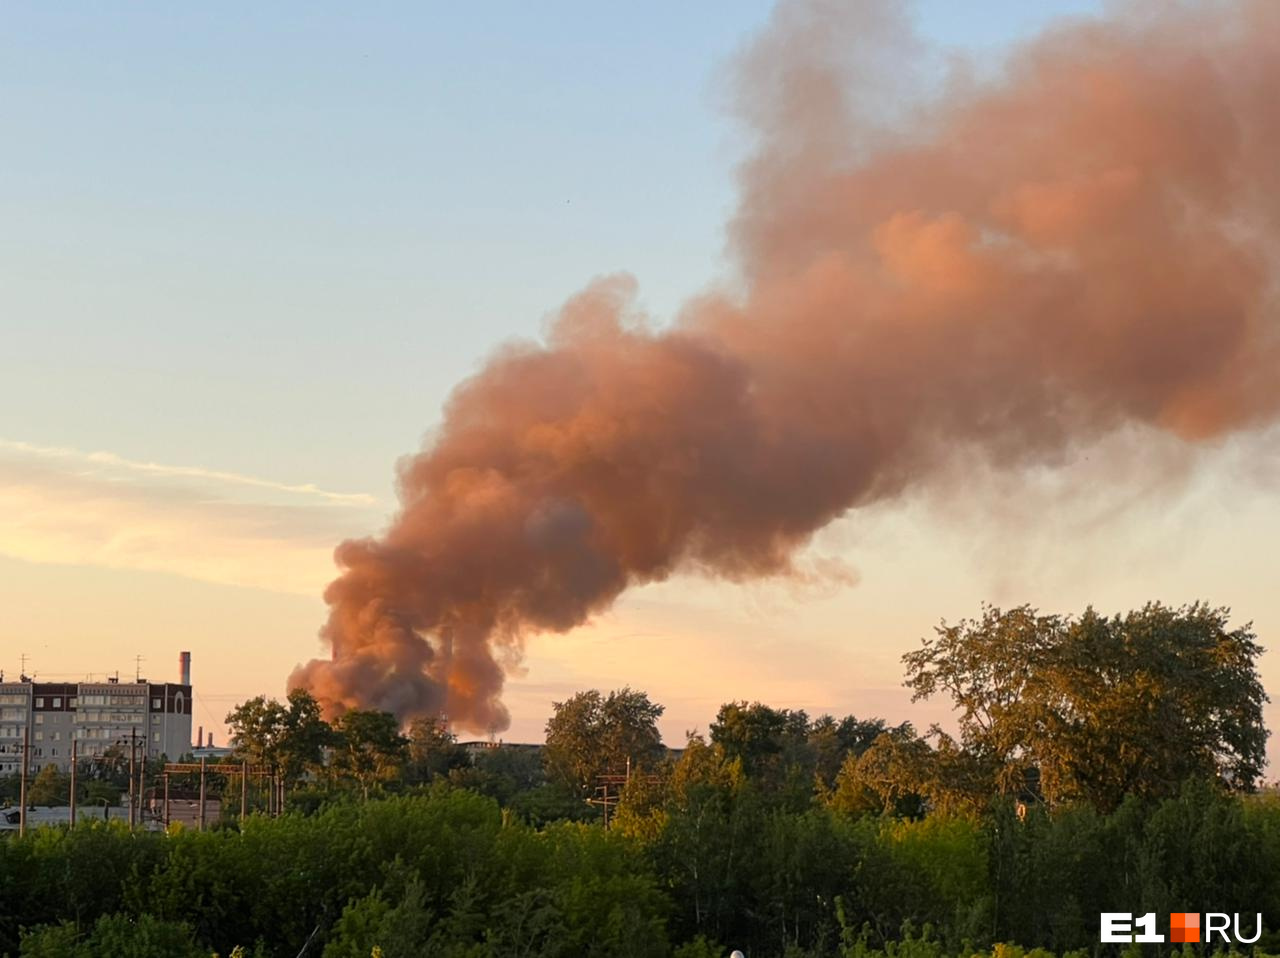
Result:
<point x="304" y="736"/>
<point x="433" y="750"/>
<point x="832" y="742"/>
<point x="256" y="728"/>
<point x="773" y="747"/>
<point x="903" y="775"/>
<point x="290" y="737"/>
<point x="49" y="787"/>
<point x="591" y="734"/>
<point x="369" y="748"/>
<point x="1101" y="707"/>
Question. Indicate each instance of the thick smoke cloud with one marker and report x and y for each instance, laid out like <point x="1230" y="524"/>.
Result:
<point x="1018" y="265"/>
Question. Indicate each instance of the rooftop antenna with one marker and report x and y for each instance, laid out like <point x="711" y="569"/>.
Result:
<point x="23" y="670"/>
<point x="137" y="668"/>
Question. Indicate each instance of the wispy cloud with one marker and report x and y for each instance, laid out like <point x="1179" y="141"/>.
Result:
<point x="164" y="470"/>
<point x="97" y="508"/>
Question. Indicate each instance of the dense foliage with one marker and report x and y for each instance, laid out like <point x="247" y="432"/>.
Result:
<point x="448" y="873"/>
<point x="1100" y="708"/>
<point x="779" y="835"/>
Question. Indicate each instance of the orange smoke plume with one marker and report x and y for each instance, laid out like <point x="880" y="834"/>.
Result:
<point x="1087" y="242"/>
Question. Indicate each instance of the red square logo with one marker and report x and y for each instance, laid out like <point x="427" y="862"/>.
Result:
<point x="1184" y="926"/>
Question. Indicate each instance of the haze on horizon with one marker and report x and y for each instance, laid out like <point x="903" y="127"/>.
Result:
<point x="247" y="259"/>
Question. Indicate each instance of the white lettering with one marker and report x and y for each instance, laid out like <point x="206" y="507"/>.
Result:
<point x="1210" y="926"/>
<point x="1116" y="927"/>
<point x="1148" y="925"/>
<point x="1257" y="932"/>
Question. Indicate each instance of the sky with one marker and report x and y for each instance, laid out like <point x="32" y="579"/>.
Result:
<point x="246" y="252"/>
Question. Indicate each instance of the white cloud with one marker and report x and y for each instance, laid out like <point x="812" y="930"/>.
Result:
<point x="72" y="507"/>
<point x="111" y="461"/>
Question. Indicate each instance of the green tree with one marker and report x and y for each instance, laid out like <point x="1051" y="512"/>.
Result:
<point x="256" y="728"/>
<point x="289" y="736"/>
<point x="1101" y="707"/>
<point x="304" y="735"/>
<point x="120" y="936"/>
<point x="762" y="738"/>
<point x="49" y="787"/>
<point x="831" y="741"/>
<point x="591" y="734"/>
<point x="774" y="748"/>
<point x="433" y="750"/>
<point x="903" y="775"/>
<point x="369" y="749"/>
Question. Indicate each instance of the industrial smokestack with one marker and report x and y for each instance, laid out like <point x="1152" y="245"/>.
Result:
<point x="184" y="668"/>
<point x="1084" y="244"/>
<point x="200" y="737"/>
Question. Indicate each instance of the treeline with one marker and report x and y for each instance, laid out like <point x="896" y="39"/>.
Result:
<point x="1100" y="764"/>
<point x="715" y="866"/>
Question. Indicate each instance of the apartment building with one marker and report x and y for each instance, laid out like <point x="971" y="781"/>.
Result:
<point x="97" y="716"/>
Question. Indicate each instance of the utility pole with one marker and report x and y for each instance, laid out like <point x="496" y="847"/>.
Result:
<point x="142" y="778"/>
<point x="166" y="799"/>
<point x="74" y="743"/>
<point x="22" y="788"/>
<point x="244" y="791"/>
<point x="202" y="794"/>
<point x="133" y="756"/>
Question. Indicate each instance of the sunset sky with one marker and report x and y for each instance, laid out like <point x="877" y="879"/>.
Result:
<point x="247" y="254"/>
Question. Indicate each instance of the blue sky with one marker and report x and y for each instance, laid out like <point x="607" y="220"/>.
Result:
<point x="300" y="225"/>
<point x="246" y="251"/>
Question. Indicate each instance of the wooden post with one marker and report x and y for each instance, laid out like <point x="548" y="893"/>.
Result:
<point x="201" y="794"/>
<point x="142" y="779"/>
<point x="22" y="788"/>
<point x="244" y="791"/>
<point x="73" y="778"/>
<point x="166" y="799"/>
<point x="133" y="757"/>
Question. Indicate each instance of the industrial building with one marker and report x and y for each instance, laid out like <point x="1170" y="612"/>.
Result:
<point x="100" y="718"/>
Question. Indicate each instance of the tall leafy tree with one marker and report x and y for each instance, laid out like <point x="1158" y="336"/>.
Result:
<point x="433" y="750"/>
<point x="369" y="749"/>
<point x="1101" y="707"/>
<point x="304" y="735"/>
<point x="257" y="726"/>
<point x="49" y="787"/>
<point x="832" y="741"/>
<point x="289" y="736"/>
<point x="591" y="734"/>
<point x="771" y="744"/>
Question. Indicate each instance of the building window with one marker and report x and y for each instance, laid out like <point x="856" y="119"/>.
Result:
<point x="155" y="719"/>
<point x="155" y="736"/>
<point x="39" y="719"/>
<point x="54" y="752"/>
<point x="156" y="703"/>
<point x="57" y="703"/>
<point x="39" y="703"/>
<point x="39" y="736"/>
